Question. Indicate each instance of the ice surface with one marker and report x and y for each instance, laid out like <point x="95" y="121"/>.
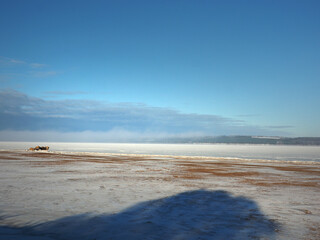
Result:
<point x="104" y="196"/>
<point x="241" y="151"/>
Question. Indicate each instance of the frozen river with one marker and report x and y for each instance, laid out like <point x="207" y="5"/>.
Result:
<point x="241" y="151"/>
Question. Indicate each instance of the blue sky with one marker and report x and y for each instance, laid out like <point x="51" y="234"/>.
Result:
<point x="159" y="68"/>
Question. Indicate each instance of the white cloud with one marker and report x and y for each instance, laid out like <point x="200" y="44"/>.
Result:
<point x="280" y="126"/>
<point x="25" y="68"/>
<point x="21" y="112"/>
<point x="65" y="93"/>
<point x="113" y="135"/>
<point x="37" y="65"/>
<point x="6" y="60"/>
<point x="43" y="74"/>
<point x="10" y="61"/>
<point x="17" y="61"/>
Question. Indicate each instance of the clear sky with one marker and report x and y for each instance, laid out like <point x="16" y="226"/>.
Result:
<point x="97" y="68"/>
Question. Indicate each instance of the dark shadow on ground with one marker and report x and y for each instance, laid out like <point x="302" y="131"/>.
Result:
<point x="197" y="214"/>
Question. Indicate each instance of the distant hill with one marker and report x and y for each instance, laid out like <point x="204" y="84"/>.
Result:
<point x="246" y="140"/>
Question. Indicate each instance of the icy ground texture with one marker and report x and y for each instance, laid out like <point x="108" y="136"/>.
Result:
<point x="196" y="214"/>
<point x="72" y="196"/>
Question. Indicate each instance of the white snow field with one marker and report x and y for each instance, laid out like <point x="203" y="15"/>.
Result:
<point x="48" y="195"/>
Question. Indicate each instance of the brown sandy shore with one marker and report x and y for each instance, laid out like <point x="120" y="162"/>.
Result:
<point x="39" y="187"/>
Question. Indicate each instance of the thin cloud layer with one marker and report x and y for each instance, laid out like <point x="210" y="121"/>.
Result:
<point x="37" y="65"/>
<point x="42" y="74"/>
<point x="5" y="61"/>
<point x="68" y="93"/>
<point x="20" y="112"/>
<point x="24" y="68"/>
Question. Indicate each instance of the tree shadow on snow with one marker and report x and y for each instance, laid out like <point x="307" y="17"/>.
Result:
<point x="199" y="214"/>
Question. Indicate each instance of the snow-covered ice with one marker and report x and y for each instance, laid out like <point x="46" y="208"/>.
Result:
<point x="48" y="195"/>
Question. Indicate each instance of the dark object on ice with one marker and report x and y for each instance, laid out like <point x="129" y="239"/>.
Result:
<point x="38" y="148"/>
